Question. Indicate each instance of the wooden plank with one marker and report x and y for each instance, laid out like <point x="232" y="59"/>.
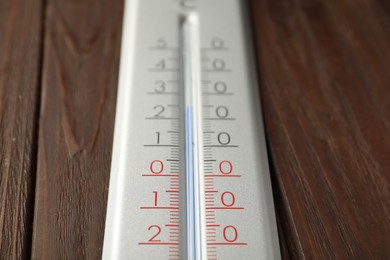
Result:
<point x="325" y="84"/>
<point x="80" y="70"/>
<point x="20" y="51"/>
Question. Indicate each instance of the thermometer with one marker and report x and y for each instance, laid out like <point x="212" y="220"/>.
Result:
<point x="189" y="174"/>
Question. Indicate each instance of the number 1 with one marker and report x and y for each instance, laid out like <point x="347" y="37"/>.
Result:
<point x="158" y="137"/>
<point x="155" y="198"/>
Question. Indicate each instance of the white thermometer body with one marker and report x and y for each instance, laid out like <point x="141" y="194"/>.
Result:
<point x="189" y="175"/>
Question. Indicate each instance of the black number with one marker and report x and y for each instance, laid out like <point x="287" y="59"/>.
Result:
<point x="223" y="138"/>
<point x="162" y="43"/>
<point x="217" y="43"/>
<point x="160" y="64"/>
<point x="160" y="110"/>
<point x="158" y="137"/>
<point x="222" y="111"/>
<point x="219" y="64"/>
<point x="220" y="87"/>
<point x="160" y="87"/>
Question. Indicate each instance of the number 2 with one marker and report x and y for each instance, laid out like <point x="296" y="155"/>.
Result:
<point x="160" y="110"/>
<point x="152" y="239"/>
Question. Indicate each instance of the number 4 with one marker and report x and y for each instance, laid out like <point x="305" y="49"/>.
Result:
<point x="161" y="64"/>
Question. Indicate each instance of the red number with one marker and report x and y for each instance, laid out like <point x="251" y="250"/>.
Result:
<point x="155" y="198"/>
<point x="225" y="167"/>
<point x="234" y="233"/>
<point x="232" y="198"/>
<point x="156" y="166"/>
<point x="158" y="232"/>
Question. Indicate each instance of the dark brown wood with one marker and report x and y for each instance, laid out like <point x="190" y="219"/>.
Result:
<point x="80" y="71"/>
<point x="325" y="84"/>
<point x="20" y="51"/>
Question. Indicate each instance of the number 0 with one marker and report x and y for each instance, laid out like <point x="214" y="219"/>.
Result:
<point x="217" y="43"/>
<point x="223" y="138"/>
<point x="220" y="87"/>
<point x="222" y="111"/>
<point x="219" y="64"/>
<point x="156" y="166"/>
<point x="225" y="167"/>
<point x="232" y="199"/>
<point x="233" y="234"/>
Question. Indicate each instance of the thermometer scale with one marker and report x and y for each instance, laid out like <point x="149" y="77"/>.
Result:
<point x="189" y="175"/>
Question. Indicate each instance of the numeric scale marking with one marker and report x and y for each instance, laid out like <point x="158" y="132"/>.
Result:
<point x="189" y="177"/>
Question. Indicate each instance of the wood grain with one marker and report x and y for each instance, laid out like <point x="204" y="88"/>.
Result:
<point x="79" y="83"/>
<point x="20" y="52"/>
<point x="325" y="84"/>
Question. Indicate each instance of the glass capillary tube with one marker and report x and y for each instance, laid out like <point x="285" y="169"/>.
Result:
<point x="196" y="237"/>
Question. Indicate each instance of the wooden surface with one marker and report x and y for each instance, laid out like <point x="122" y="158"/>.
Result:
<point x="324" y="68"/>
<point x="325" y="73"/>
<point x="79" y="79"/>
<point x="20" y="61"/>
